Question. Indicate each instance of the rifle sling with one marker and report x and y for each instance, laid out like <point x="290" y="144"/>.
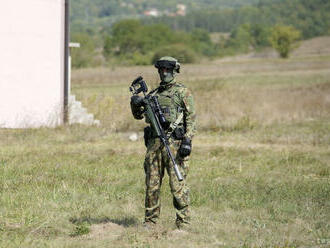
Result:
<point x="174" y="125"/>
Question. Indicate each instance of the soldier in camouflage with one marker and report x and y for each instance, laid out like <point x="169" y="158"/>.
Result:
<point x="177" y="104"/>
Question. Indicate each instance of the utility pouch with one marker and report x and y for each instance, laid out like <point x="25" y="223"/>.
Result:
<point x="147" y="135"/>
<point x="178" y="133"/>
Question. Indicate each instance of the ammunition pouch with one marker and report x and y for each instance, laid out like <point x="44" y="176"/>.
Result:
<point x="178" y="133"/>
<point x="166" y="125"/>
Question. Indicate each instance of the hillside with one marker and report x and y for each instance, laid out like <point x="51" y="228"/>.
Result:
<point x="319" y="46"/>
<point x="315" y="47"/>
<point x="84" y="9"/>
<point x="312" y="18"/>
<point x="105" y="12"/>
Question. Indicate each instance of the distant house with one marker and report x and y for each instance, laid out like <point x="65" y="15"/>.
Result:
<point x="181" y="9"/>
<point x="33" y="63"/>
<point x="152" y="12"/>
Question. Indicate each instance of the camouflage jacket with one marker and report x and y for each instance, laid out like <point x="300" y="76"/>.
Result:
<point x="175" y="98"/>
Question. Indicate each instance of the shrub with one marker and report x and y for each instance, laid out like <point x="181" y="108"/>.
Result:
<point x="283" y="38"/>
<point x="240" y="39"/>
<point x="138" y="59"/>
<point x="181" y="52"/>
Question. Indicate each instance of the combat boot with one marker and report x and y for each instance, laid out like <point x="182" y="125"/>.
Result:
<point x="182" y="225"/>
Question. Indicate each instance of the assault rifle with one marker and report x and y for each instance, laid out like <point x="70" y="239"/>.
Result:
<point x="156" y="117"/>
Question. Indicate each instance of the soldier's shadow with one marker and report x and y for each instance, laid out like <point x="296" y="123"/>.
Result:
<point x="125" y="221"/>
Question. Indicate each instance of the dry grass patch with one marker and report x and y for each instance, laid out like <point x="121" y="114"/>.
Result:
<point x="238" y="99"/>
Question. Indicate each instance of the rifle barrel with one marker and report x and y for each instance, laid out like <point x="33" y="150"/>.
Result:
<point x="176" y="168"/>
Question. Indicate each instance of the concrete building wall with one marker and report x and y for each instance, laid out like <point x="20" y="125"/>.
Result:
<point x="31" y="63"/>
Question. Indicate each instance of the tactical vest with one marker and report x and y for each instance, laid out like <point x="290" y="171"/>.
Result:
<point x="170" y="102"/>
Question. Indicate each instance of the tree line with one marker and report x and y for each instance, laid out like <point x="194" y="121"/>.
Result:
<point x="276" y="23"/>
<point x="131" y="42"/>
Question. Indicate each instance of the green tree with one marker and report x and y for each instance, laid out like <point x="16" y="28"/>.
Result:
<point x="241" y="38"/>
<point x="260" y="34"/>
<point x="126" y="36"/>
<point x="130" y="36"/>
<point x="83" y="56"/>
<point x="107" y="47"/>
<point x="282" y="39"/>
<point x="180" y="51"/>
<point x="201" y="42"/>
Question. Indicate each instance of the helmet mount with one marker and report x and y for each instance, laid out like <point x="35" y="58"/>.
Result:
<point x="168" y="63"/>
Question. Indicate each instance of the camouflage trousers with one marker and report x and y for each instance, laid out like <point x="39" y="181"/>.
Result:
<point x="156" y="161"/>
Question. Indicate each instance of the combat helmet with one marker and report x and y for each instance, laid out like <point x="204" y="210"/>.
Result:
<point x="169" y="63"/>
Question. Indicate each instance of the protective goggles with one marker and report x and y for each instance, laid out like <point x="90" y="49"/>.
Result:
<point x="165" y="64"/>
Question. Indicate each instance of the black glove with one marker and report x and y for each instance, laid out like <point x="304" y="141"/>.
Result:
<point x="185" y="148"/>
<point x="137" y="107"/>
<point x="137" y="101"/>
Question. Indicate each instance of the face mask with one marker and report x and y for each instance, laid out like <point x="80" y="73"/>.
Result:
<point x="166" y="77"/>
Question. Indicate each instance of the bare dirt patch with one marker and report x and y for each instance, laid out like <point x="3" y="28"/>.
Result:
<point x="177" y="234"/>
<point x="105" y="231"/>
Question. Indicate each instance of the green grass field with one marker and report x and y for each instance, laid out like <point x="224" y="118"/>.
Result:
<point x="259" y="173"/>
